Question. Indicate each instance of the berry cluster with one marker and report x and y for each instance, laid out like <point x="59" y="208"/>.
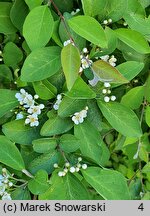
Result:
<point x="71" y="169"/>
<point x="107" y="22"/>
<point x="106" y="91"/>
<point x="27" y="102"/>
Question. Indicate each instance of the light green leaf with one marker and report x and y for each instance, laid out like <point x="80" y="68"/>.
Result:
<point x="69" y="143"/>
<point x="90" y="141"/>
<point x="88" y="28"/>
<point x="45" y="89"/>
<point x="70" y="58"/>
<point x="7" y="101"/>
<point x="20" y="133"/>
<point x="121" y="118"/>
<point x="107" y="73"/>
<point x="44" y="145"/>
<point x="12" y="55"/>
<point x="42" y="23"/>
<point x="45" y="162"/>
<point x="81" y="90"/>
<point x="147" y="115"/>
<point x="130" y="69"/>
<point x="33" y="3"/>
<point x="71" y="189"/>
<point x="6" y="26"/>
<point x="93" y="7"/>
<point x="39" y="184"/>
<point x="133" y="98"/>
<point x="56" y="125"/>
<point x="133" y="39"/>
<point x="18" y="13"/>
<point x="110" y="184"/>
<point x="10" y="155"/>
<point x="41" y="64"/>
<point x="69" y="106"/>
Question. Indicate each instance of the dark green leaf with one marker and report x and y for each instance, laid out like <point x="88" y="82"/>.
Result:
<point x="7" y="101"/>
<point x="20" y="133"/>
<point x="10" y="155"/>
<point x="41" y="64"/>
<point x="123" y="119"/>
<point x="44" y="145"/>
<point x="110" y="184"/>
<point x="56" y="125"/>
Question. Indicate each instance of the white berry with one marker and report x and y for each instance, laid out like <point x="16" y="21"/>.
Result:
<point x="106" y="99"/>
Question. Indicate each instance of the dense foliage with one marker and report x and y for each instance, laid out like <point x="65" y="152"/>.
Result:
<point x="74" y="99"/>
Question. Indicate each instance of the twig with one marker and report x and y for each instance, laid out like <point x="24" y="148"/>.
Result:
<point x="63" y="20"/>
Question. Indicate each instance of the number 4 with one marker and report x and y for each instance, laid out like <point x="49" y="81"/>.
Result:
<point x="141" y="207"/>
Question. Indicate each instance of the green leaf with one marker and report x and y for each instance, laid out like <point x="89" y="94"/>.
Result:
<point x="138" y="23"/>
<point x="130" y="69"/>
<point x="90" y="141"/>
<point x="112" y="42"/>
<point x="143" y="154"/>
<point x="88" y="28"/>
<point x="81" y="90"/>
<point x="10" y="155"/>
<point x="56" y="125"/>
<point x="107" y="73"/>
<point x="41" y="64"/>
<point x="45" y="162"/>
<point x="115" y="9"/>
<point x="70" y="58"/>
<point x="133" y="98"/>
<point x="121" y="118"/>
<point x="39" y="184"/>
<point x="147" y="89"/>
<point x="69" y="106"/>
<point x="93" y="7"/>
<point x="45" y="89"/>
<point x="71" y="189"/>
<point x="133" y="39"/>
<point x="44" y="145"/>
<point x="69" y="143"/>
<point x="147" y="115"/>
<point x="21" y="193"/>
<point x="42" y="23"/>
<point x="12" y="55"/>
<point x="6" y="26"/>
<point x="33" y="3"/>
<point x="18" y="13"/>
<point x="110" y="184"/>
<point x="7" y="101"/>
<point x="18" y="132"/>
